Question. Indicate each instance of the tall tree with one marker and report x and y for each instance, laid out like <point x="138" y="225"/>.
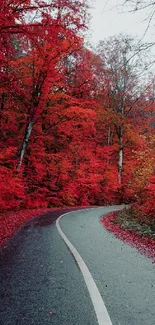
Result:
<point x="121" y="61"/>
<point x="50" y="31"/>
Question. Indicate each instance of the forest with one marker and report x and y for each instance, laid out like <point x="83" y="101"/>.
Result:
<point x="76" y="124"/>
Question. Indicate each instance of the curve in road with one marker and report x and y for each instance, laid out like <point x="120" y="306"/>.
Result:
<point x="42" y="284"/>
<point x="98" y="303"/>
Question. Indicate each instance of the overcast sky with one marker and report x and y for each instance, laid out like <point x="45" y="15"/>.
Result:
<point x="107" y="20"/>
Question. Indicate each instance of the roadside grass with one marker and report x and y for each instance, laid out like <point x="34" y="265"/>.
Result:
<point x="128" y="221"/>
<point x="124" y="225"/>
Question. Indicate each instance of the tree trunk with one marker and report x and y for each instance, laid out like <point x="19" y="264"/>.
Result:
<point x="2" y="101"/>
<point x="25" y="142"/>
<point x="109" y="136"/>
<point x="120" y="157"/>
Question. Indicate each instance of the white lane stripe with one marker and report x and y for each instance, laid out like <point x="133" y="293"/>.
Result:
<point x="99" y="306"/>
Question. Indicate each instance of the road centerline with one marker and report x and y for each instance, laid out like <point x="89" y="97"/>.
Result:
<point x="97" y="301"/>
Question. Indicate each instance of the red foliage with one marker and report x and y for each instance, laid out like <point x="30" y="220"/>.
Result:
<point x="12" y="189"/>
<point x="61" y="127"/>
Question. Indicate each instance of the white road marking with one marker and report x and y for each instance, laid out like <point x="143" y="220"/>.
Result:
<point x="98" y="303"/>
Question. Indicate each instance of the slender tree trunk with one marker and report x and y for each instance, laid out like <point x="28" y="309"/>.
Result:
<point x="109" y="136"/>
<point x="25" y="142"/>
<point x="120" y="157"/>
<point x="2" y="101"/>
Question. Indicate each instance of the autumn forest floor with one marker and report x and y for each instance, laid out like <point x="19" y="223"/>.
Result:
<point x="125" y="227"/>
<point x="122" y="224"/>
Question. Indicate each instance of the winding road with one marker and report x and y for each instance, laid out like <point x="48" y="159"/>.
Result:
<point x="71" y="271"/>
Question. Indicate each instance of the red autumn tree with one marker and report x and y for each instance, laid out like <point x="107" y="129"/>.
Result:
<point x="120" y="59"/>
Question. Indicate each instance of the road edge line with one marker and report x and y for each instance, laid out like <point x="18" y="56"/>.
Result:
<point x="97" y="301"/>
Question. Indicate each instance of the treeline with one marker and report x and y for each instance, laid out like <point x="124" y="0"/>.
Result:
<point x="76" y="126"/>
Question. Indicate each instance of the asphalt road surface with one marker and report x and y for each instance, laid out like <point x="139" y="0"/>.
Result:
<point x="42" y="283"/>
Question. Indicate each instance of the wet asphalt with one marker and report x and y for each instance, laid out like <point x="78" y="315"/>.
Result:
<point x="41" y="283"/>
